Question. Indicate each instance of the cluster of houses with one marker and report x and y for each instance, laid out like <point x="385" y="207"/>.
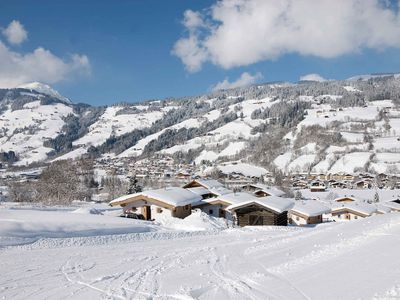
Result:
<point x="254" y="204"/>
<point x="321" y="182"/>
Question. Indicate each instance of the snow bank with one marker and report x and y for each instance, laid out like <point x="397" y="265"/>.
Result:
<point x="87" y="211"/>
<point x="197" y="221"/>
<point x="21" y="226"/>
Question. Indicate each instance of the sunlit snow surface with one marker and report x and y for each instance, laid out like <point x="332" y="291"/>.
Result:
<point x="349" y="260"/>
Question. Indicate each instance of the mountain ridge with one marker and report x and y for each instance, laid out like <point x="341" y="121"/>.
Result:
<point x="216" y="127"/>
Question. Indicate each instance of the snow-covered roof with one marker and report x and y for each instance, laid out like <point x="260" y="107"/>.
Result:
<point x="220" y="191"/>
<point x="392" y="205"/>
<point x="235" y="198"/>
<point x="199" y="190"/>
<point x="209" y="183"/>
<point x="361" y="207"/>
<point x="346" y="197"/>
<point x="273" y="191"/>
<point x="383" y="209"/>
<point x="175" y="196"/>
<point x="310" y="208"/>
<point x="274" y="203"/>
<point x="212" y="185"/>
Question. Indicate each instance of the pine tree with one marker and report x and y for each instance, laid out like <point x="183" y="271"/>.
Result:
<point x="298" y="195"/>
<point x="133" y="186"/>
<point x="376" y="197"/>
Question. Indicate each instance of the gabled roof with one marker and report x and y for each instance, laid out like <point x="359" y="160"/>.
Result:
<point x="273" y="203"/>
<point x="346" y="197"/>
<point x="383" y="209"/>
<point x="235" y="198"/>
<point x="360" y="207"/>
<point x="207" y="183"/>
<point x="199" y="190"/>
<point x="273" y="191"/>
<point x="310" y="208"/>
<point x="174" y="196"/>
<point x="392" y="205"/>
<point x="220" y="191"/>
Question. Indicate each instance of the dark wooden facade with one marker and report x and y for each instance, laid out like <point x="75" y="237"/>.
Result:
<point x="255" y="214"/>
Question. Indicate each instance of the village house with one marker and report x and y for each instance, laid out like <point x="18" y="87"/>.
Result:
<point x="307" y="212"/>
<point x="363" y="184"/>
<point x="317" y="186"/>
<point x="347" y="211"/>
<point x="300" y="184"/>
<point x="270" y="210"/>
<point x="149" y="205"/>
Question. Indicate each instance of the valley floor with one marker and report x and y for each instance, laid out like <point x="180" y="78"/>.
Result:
<point x="353" y="260"/>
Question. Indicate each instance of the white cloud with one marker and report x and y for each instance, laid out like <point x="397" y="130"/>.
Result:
<point x="245" y="79"/>
<point x="15" y="33"/>
<point x="39" y="65"/>
<point x="241" y="32"/>
<point x="192" y="20"/>
<point x="312" y="77"/>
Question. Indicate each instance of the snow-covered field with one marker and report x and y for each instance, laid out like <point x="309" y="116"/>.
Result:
<point x="74" y="255"/>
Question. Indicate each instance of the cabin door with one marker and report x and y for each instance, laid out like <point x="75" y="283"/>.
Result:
<point x="221" y="213"/>
<point x="255" y="220"/>
<point x="146" y="211"/>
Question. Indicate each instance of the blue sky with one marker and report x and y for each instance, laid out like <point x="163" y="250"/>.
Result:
<point x="129" y="47"/>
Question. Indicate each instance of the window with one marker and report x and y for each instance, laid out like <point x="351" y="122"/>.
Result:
<point x="210" y="211"/>
<point x="355" y="217"/>
<point x="186" y="207"/>
<point x="159" y="210"/>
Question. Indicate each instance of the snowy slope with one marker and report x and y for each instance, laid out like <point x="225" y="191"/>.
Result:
<point x="359" y="257"/>
<point x="112" y="124"/>
<point x="371" y="128"/>
<point x="24" y="130"/>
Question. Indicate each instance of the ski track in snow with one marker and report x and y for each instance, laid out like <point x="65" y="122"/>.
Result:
<point x="249" y="263"/>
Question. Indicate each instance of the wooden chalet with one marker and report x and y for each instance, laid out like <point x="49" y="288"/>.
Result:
<point x="262" y="211"/>
<point x="352" y="211"/>
<point x="153" y="203"/>
<point x="307" y="212"/>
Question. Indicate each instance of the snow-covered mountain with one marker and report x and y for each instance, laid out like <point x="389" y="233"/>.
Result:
<point x="43" y="89"/>
<point x="335" y="126"/>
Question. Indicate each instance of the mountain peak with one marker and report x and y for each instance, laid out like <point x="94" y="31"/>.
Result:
<point x="43" y="89"/>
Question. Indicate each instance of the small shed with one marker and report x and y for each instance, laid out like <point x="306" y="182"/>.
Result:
<point x="262" y="211"/>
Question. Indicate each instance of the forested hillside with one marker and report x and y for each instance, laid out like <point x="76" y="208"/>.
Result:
<point x="331" y="126"/>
